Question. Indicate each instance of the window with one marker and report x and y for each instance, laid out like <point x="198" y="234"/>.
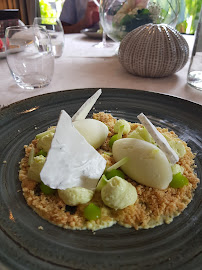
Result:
<point x="187" y="21"/>
<point x="50" y="8"/>
<point x="189" y="16"/>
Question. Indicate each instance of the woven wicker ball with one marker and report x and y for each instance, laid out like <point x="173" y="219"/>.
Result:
<point x="153" y="50"/>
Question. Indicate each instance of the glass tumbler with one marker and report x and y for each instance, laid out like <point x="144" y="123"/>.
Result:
<point x="55" y="31"/>
<point x="194" y="76"/>
<point x="29" y="56"/>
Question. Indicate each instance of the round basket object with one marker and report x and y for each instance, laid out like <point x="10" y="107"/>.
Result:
<point x="153" y="50"/>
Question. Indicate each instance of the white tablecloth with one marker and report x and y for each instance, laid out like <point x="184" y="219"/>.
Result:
<point x="81" y="66"/>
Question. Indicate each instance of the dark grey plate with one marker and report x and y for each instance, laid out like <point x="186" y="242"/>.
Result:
<point x="174" y="246"/>
<point x="92" y="33"/>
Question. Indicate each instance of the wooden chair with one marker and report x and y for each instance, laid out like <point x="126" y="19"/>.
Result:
<point x="9" y="17"/>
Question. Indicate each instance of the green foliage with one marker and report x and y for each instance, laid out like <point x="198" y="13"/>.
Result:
<point x="46" y="9"/>
<point x="189" y="15"/>
<point x="131" y="22"/>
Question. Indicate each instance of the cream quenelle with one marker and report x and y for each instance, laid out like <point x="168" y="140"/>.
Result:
<point x="118" y="193"/>
<point x="76" y="195"/>
<point x="147" y="164"/>
<point x="94" y="131"/>
<point x="159" y="139"/>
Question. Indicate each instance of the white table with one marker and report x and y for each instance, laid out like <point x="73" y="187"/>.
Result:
<point x="76" y="69"/>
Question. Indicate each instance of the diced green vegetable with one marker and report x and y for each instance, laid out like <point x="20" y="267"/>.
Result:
<point x="45" y="141"/>
<point x="115" y="172"/>
<point x="36" y="167"/>
<point x="178" y="147"/>
<point x="108" y="153"/>
<point x="120" y="132"/>
<point x="176" y="168"/>
<point x="92" y="212"/>
<point x="46" y="189"/>
<point x="47" y="132"/>
<point x="31" y="156"/>
<point x="179" y="180"/>
<point x="117" y="164"/>
<point x="120" y="123"/>
<point x="103" y="181"/>
<point x="141" y="133"/>
<point x="41" y="152"/>
<point x="116" y="136"/>
<point x="113" y="139"/>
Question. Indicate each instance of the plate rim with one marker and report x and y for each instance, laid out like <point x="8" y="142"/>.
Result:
<point x="103" y="89"/>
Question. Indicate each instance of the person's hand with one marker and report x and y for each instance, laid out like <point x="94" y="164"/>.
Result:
<point x="91" y="15"/>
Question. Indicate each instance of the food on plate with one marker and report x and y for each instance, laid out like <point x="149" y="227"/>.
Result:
<point x="84" y="181"/>
<point x="147" y="164"/>
<point x="94" y="131"/>
<point x="118" y="193"/>
<point x="75" y="195"/>
<point x="71" y="160"/>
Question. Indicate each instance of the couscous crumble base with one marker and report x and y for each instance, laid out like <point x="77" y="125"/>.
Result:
<point x="153" y="207"/>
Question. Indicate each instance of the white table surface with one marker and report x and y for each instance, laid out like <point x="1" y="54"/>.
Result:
<point x="78" y="68"/>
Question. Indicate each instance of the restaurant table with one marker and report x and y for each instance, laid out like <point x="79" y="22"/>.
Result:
<point x="82" y="65"/>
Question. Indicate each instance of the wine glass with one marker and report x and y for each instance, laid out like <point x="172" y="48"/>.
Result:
<point x="119" y="17"/>
<point x="103" y="43"/>
<point x="55" y="31"/>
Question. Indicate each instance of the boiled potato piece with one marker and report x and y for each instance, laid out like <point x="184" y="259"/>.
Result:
<point x="118" y="193"/>
<point x="94" y="131"/>
<point x="147" y="164"/>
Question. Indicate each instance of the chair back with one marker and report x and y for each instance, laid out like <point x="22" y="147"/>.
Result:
<point x="9" y="17"/>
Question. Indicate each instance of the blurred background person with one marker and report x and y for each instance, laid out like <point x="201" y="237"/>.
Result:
<point x="79" y="14"/>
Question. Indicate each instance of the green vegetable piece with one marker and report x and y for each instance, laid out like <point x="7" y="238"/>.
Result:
<point x="31" y="156"/>
<point x="41" y="152"/>
<point x="36" y="167"/>
<point x="179" y="180"/>
<point x="119" y="124"/>
<point x="120" y="132"/>
<point x="176" y="168"/>
<point x="92" y="212"/>
<point x="45" y="141"/>
<point x="47" y="132"/>
<point x="103" y="181"/>
<point x="178" y="147"/>
<point x="116" y="136"/>
<point x="113" y="139"/>
<point x="46" y="189"/>
<point x="117" y="164"/>
<point x="113" y="173"/>
<point x="141" y="133"/>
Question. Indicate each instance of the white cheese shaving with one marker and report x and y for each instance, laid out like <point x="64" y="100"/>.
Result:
<point x="159" y="139"/>
<point x="86" y="107"/>
<point x="71" y="160"/>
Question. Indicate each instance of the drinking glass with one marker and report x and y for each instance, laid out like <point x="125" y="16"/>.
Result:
<point x="104" y="43"/>
<point x="55" y="30"/>
<point x="29" y="56"/>
<point x="194" y="76"/>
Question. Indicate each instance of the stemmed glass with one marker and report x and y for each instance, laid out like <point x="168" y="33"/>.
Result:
<point x="103" y="43"/>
